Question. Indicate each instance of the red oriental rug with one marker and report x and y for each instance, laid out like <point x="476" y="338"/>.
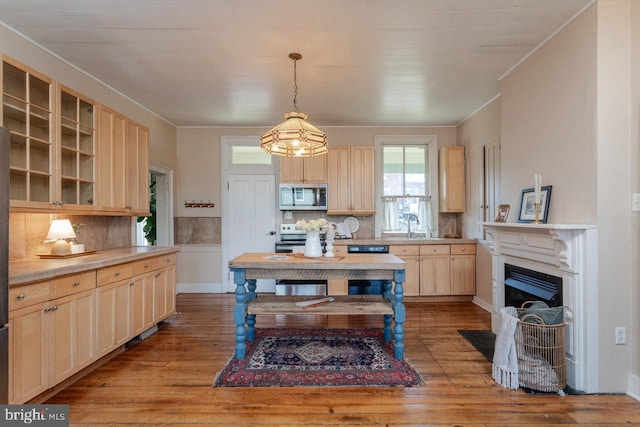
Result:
<point x="291" y="357"/>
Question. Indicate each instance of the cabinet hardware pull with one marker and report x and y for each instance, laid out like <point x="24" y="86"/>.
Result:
<point x="131" y="283"/>
<point x="146" y="266"/>
<point x="48" y="309"/>
<point x="158" y="274"/>
<point x="21" y="296"/>
<point x="55" y="307"/>
<point x="464" y="249"/>
<point x="117" y="273"/>
<point x="76" y="283"/>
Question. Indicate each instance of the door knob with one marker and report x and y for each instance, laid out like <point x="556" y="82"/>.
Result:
<point x="271" y="233"/>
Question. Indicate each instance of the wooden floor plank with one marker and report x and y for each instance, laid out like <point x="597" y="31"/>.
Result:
<point x="167" y="380"/>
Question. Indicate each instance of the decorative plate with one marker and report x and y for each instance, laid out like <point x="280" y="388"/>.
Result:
<point x="352" y="223"/>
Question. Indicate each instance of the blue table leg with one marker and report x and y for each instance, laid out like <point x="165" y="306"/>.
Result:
<point x="387" y="317"/>
<point x="251" y="318"/>
<point x="400" y="315"/>
<point x="240" y="312"/>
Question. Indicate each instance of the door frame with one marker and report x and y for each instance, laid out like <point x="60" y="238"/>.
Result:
<point x="228" y="168"/>
<point x="164" y="217"/>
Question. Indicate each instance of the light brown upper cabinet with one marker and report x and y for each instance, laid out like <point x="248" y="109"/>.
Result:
<point x="304" y="169"/>
<point x="77" y="148"/>
<point x="451" y="173"/>
<point x="123" y="158"/>
<point x="351" y="180"/>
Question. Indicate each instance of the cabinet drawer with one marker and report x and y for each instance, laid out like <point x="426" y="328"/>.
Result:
<point x="404" y="249"/>
<point x="24" y="296"/>
<point x="72" y="284"/>
<point x="434" y="250"/>
<point x="146" y="265"/>
<point x="463" y="249"/>
<point x="115" y="272"/>
<point x="165" y="260"/>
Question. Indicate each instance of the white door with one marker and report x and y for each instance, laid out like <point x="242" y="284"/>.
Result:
<point x="251" y="224"/>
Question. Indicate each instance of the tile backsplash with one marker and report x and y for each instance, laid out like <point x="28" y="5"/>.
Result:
<point x="27" y="233"/>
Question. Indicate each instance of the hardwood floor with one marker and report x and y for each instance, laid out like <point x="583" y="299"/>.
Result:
<point x="167" y="378"/>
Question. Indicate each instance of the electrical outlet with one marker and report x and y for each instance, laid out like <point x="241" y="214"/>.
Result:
<point x="621" y="335"/>
<point x="288" y="215"/>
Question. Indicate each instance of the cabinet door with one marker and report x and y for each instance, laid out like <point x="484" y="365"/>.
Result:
<point x="137" y="169"/>
<point x="338" y="180"/>
<point x="410" y="254"/>
<point x="434" y="270"/>
<point x="451" y="174"/>
<point x="291" y="169"/>
<point x="111" y="160"/>
<point x="434" y="275"/>
<point x="76" y="151"/>
<point x="160" y="295"/>
<point x="361" y="180"/>
<point x="143" y="302"/>
<point x="71" y="338"/>
<point x="28" y="353"/>
<point x="315" y="169"/>
<point x="115" y="326"/>
<point x="463" y="275"/>
<point x="27" y="103"/>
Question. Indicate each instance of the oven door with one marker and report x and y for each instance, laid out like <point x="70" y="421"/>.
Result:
<point x="293" y="286"/>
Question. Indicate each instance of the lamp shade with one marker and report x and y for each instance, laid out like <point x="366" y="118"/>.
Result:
<point x="295" y="137"/>
<point x="61" y="229"/>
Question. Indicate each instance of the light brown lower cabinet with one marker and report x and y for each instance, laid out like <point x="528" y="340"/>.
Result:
<point x="49" y="341"/>
<point x="60" y="326"/>
<point x="430" y="270"/>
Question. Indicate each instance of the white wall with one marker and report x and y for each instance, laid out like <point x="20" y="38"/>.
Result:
<point x="566" y="110"/>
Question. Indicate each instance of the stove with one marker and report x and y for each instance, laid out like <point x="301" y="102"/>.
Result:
<point x="292" y="241"/>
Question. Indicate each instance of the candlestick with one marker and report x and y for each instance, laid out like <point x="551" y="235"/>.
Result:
<point x="536" y="210"/>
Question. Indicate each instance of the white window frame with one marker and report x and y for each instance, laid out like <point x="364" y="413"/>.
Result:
<point x="431" y="141"/>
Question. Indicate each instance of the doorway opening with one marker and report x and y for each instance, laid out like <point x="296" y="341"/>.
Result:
<point x="157" y="229"/>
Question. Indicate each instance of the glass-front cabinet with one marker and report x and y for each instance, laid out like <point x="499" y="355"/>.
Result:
<point x="27" y="113"/>
<point x="77" y="149"/>
<point x="52" y="141"/>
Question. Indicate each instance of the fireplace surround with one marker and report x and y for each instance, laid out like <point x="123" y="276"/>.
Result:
<point x="566" y="252"/>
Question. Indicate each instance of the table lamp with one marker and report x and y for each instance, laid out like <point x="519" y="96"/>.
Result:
<point x="60" y="230"/>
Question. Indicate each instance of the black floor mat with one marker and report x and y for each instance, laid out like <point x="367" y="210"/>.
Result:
<point x="483" y="341"/>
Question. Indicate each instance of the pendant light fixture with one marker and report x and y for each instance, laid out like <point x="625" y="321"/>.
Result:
<point x="295" y="137"/>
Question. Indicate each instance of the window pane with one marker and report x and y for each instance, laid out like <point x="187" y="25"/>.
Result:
<point x="249" y="156"/>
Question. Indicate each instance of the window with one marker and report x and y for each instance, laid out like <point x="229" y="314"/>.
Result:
<point x="406" y="176"/>
<point x="242" y="155"/>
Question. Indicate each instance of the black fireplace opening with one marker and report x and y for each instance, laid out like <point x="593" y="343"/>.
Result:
<point x="522" y="284"/>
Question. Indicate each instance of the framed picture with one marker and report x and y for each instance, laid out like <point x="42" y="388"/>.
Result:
<point x="527" y="212"/>
<point x="502" y="213"/>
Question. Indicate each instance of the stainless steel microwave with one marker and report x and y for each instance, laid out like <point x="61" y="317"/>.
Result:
<point x="303" y="197"/>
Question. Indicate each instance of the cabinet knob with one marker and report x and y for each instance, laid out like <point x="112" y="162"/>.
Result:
<point x="54" y="308"/>
<point x="48" y="309"/>
<point x="21" y="296"/>
<point x="117" y="273"/>
<point x="76" y="283"/>
<point x="146" y="266"/>
<point x="463" y="249"/>
<point x="131" y="283"/>
<point x="158" y="274"/>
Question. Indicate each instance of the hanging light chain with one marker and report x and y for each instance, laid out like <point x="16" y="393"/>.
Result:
<point x="295" y="57"/>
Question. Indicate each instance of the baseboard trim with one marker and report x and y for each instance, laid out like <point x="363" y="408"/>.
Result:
<point x="199" y="288"/>
<point x="483" y="304"/>
<point x="634" y="386"/>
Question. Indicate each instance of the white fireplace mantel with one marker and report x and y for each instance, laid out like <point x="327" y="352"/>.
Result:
<point x="568" y="251"/>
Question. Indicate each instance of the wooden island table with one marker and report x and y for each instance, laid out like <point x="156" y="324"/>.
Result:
<point x="249" y="267"/>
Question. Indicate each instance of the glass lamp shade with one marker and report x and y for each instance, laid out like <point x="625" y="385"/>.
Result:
<point x="59" y="230"/>
<point x="295" y="137"/>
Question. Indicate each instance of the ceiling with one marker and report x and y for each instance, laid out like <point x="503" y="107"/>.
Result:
<point x="364" y="62"/>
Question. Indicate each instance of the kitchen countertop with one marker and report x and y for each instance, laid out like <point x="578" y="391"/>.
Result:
<point x="23" y="272"/>
<point x="404" y="241"/>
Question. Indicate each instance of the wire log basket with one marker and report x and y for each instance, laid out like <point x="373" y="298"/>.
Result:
<point x="542" y="362"/>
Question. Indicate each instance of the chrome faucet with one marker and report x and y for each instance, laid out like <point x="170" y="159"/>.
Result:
<point x="409" y="217"/>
